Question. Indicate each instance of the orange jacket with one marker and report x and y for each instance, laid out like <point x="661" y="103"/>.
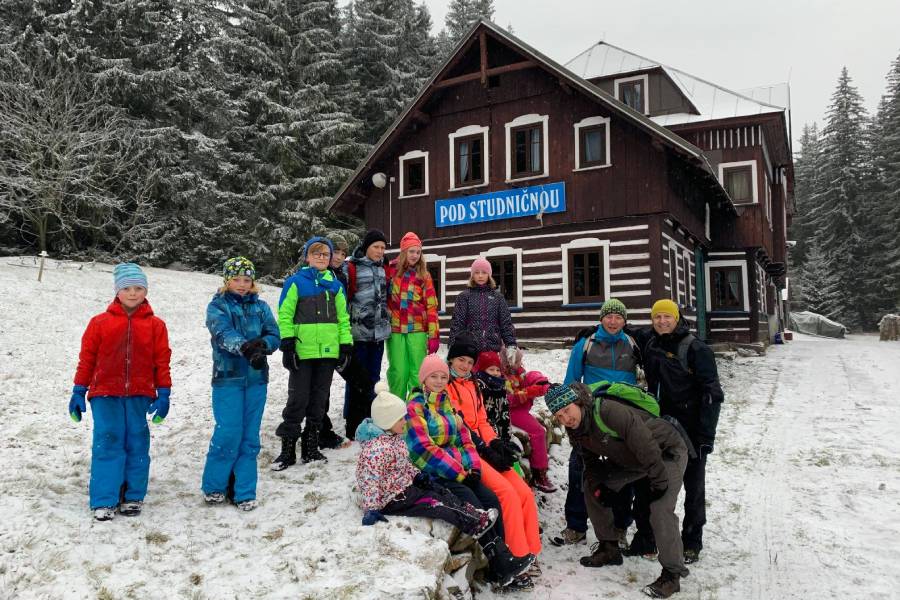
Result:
<point x="467" y="401"/>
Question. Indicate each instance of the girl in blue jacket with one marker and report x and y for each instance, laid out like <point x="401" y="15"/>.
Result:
<point x="242" y="332"/>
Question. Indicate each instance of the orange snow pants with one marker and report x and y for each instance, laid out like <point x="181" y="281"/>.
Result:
<point x="518" y="507"/>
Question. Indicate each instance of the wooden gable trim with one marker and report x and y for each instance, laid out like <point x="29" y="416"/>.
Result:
<point x="484" y="74"/>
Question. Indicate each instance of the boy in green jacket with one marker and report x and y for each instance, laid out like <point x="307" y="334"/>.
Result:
<point x="315" y="337"/>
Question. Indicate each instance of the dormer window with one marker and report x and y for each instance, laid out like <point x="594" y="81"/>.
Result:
<point x="633" y="92"/>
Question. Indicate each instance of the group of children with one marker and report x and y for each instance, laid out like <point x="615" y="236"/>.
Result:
<point x="446" y="452"/>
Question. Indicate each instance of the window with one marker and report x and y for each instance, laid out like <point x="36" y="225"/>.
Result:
<point x="468" y="157"/>
<point x="727" y="288"/>
<point x="526" y="147"/>
<point x="592" y="143"/>
<point x="586" y="276"/>
<point x="469" y="160"/>
<point x="414" y="174"/>
<point x="673" y="273"/>
<point x="739" y="180"/>
<point x="505" y="273"/>
<point x="633" y="92"/>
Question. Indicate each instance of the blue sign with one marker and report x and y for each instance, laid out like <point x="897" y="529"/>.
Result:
<point x="503" y="204"/>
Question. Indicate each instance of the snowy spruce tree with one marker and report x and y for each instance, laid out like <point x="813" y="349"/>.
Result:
<point x="820" y="288"/>
<point x="461" y="14"/>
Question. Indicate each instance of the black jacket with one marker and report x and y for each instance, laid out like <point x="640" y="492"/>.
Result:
<point x="692" y="396"/>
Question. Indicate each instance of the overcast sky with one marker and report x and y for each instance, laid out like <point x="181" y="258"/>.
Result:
<point x="734" y="44"/>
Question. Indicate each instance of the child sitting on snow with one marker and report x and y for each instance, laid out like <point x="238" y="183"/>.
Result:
<point x="123" y="368"/>
<point x="391" y="485"/>
<point x="522" y="389"/>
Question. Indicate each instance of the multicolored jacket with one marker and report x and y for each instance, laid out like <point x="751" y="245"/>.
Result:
<point x="383" y="469"/>
<point x="313" y="309"/>
<point x="124" y="355"/>
<point x="412" y="302"/>
<point x="482" y="311"/>
<point x="232" y="320"/>
<point x="367" y="295"/>
<point x="437" y="439"/>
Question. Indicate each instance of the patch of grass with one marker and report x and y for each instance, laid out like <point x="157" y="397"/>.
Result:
<point x="313" y="500"/>
<point x="105" y="594"/>
<point x="196" y="578"/>
<point x="273" y="535"/>
<point x="631" y="577"/>
<point x="156" y="537"/>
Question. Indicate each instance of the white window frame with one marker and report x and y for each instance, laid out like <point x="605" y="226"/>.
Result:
<point x="409" y="156"/>
<point x="521" y="121"/>
<point x="753" y="175"/>
<point x="582" y="124"/>
<point x="501" y="251"/>
<point x="686" y="266"/>
<point x="467" y="131"/>
<point x="646" y="79"/>
<point x="441" y="293"/>
<point x="582" y="244"/>
<point x="727" y="263"/>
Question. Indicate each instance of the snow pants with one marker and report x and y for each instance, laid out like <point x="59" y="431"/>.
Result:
<point x="694" y="503"/>
<point x="435" y="503"/>
<point x="309" y="388"/>
<point x="357" y="406"/>
<point x="481" y="497"/>
<point x="520" y="519"/>
<point x="405" y="354"/>
<point x="234" y="446"/>
<point x="522" y="418"/>
<point x="120" y="454"/>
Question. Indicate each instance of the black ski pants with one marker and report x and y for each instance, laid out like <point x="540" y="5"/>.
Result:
<point x="308" y="392"/>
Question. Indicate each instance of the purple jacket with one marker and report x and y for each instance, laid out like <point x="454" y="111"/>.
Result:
<point x="483" y="312"/>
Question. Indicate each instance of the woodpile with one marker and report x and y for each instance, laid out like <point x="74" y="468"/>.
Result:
<point x="889" y="328"/>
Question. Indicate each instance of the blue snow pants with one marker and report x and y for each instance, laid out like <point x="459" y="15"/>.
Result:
<point x="121" y="449"/>
<point x="234" y="446"/>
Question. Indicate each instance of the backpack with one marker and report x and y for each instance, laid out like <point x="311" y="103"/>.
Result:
<point x="625" y="393"/>
<point x="683" y="346"/>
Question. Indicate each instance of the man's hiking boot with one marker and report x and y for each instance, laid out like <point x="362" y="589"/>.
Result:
<point x="602" y="554"/>
<point x="568" y="537"/>
<point x="288" y="455"/>
<point x="665" y="585"/>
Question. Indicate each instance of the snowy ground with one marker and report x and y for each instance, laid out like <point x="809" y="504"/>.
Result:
<point x="803" y="487"/>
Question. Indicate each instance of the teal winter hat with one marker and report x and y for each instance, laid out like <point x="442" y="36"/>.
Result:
<point x="613" y="306"/>
<point x="237" y="266"/>
<point x="128" y="274"/>
<point x="559" y="397"/>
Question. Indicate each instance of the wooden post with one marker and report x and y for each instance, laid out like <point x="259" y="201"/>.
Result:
<point x="43" y="255"/>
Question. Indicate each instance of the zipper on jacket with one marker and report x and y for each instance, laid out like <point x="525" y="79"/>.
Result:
<point x="128" y="355"/>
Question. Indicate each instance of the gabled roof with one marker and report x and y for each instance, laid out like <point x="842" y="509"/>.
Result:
<point x="711" y="100"/>
<point x="667" y="137"/>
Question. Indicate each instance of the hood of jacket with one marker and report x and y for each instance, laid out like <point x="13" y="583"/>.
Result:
<point x="368" y="431"/>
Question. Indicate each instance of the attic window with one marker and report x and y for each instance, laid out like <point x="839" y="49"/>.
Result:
<point x="633" y="92"/>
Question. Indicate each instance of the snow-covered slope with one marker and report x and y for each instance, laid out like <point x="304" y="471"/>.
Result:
<point x="803" y="487"/>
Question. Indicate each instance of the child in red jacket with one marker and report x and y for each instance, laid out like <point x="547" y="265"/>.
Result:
<point x="123" y="368"/>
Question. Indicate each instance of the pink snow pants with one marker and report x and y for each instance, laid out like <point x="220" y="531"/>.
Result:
<point x="521" y="418"/>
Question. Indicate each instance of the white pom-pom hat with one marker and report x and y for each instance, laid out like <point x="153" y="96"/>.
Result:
<point x="387" y="408"/>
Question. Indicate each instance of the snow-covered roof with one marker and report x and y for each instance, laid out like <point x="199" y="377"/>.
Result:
<point x="711" y="100"/>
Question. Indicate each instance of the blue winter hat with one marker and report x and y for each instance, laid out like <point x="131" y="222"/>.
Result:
<point x="312" y="241"/>
<point x="559" y="397"/>
<point x="128" y="274"/>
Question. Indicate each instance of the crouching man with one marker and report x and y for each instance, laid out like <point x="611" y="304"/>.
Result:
<point x="621" y="443"/>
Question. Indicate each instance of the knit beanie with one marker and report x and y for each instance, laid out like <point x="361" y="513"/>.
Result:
<point x="128" y="274"/>
<point x="486" y="359"/>
<point x="313" y="240"/>
<point x="613" y="307"/>
<point x="372" y="236"/>
<point x="463" y="345"/>
<point x="535" y="377"/>
<point x="559" y="397"/>
<point x="481" y="264"/>
<point x="387" y="408"/>
<point x="237" y="266"/>
<point x="409" y="240"/>
<point x="431" y="364"/>
<point x="340" y="243"/>
<point x="665" y="307"/>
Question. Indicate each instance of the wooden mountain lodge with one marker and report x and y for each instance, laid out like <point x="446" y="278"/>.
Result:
<point x="612" y="176"/>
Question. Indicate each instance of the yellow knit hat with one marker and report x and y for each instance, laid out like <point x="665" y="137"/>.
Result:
<point x="666" y="307"/>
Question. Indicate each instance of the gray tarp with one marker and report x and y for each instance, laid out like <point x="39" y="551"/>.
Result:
<point x="815" y="324"/>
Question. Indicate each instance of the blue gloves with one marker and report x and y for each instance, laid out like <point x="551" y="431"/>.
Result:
<point x="370" y="517"/>
<point x="160" y="406"/>
<point x="78" y="403"/>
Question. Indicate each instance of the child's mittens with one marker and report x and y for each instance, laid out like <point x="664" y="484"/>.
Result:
<point x="160" y="406"/>
<point x="255" y="353"/>
<point x="370" y="517"/>
<point x="434" y="345"/>
<point x="78" y="403"/>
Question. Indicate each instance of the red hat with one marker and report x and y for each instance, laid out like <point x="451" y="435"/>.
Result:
<point x="533" y="377"/>
<point x="409" y="240"/>
<point x="486" y="359"/>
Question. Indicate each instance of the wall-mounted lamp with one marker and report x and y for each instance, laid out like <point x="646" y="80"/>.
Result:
<point x="379" y="180"/>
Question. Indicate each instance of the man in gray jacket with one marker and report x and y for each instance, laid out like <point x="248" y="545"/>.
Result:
<point x="621" y="443"/>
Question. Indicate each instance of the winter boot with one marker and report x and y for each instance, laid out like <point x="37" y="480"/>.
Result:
<point x="104" y="513"/>
<point x="642" y="545"/>
<point x="568" y="537"/>
<point x="503" y="565"/>
<point x="247" y="505"/>
<point x="214" y="498"/>
<point x="130" y="508"/>
<point x="541" y="482"/>
<point x="486" y="520"/>
<point x="602" y="554"/>
<point x="309" y="445"/>
<point x="622" y="539"/>
<point x="288" y="455"/>
<point x="665" y="585"/>
<point x="522" y="583"/>
<point x="691" y="555"/>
